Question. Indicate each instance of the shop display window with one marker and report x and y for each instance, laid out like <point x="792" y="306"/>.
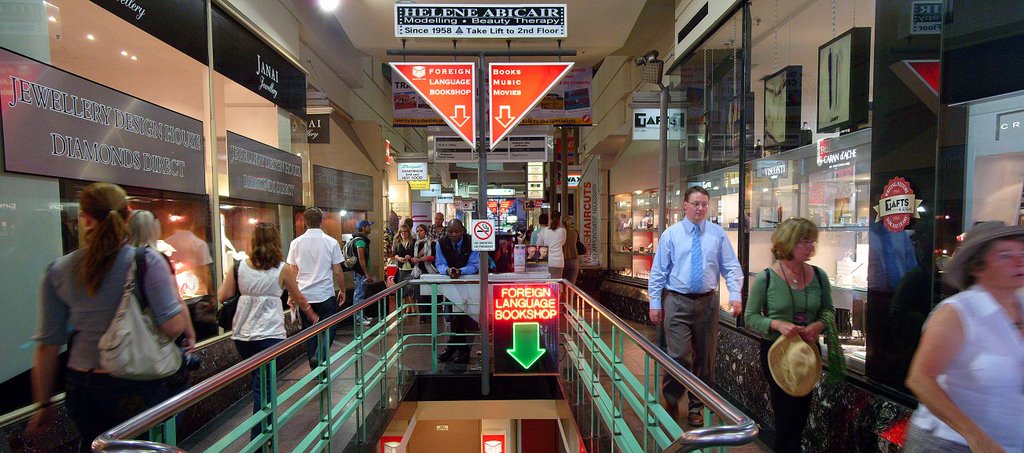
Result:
<point x="184" y="238"/>
<point x="239" y="219"/>
<point x="338" y="223"/>
<point x="827" y="183"/>
<point x="635" y="233"/>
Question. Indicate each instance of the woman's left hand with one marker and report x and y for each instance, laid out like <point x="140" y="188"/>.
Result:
<point x="811" y="332"/>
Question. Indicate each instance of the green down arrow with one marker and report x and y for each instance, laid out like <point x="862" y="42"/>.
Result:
<point x="526" y="343"/>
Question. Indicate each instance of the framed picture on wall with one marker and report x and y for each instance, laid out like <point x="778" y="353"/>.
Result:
<point x="783" y="93"/>
<point x="844" y="69"/>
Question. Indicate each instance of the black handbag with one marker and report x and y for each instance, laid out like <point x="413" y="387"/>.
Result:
<point x="580" y="248"/>
<point x="226" y="313"/>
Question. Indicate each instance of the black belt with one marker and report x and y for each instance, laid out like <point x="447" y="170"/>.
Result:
<point x="693" y="295"/>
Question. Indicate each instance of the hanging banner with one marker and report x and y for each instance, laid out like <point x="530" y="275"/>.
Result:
<point x="515" y="88"/>
<point x="420" y="185"/>
<point x="567" y="104"/>
<point x="589" y="218"/>
<point x="429" y="20"/>
<point x="448" y="88"/>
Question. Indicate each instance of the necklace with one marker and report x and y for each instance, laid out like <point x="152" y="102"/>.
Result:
<point x="794" y="280"/>
<point x="799" y="317"/>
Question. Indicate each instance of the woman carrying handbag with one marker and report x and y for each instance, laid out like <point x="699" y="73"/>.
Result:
<point x="84" y="290"/>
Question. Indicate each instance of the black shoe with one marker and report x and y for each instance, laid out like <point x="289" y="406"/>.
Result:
<point x="462" y="356"/>
<point x="447" y="355"/>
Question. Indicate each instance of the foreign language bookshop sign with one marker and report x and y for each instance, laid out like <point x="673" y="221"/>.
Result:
<point x="446" y="21"/>
<point x="525" y="328"/>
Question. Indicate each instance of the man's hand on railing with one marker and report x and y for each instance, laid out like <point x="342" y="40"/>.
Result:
<point x="656" y="315"/>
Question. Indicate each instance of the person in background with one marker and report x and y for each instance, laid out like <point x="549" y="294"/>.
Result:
<point x="968" y="371"/>
<point x="456" y="258"/>
<point x="528" y="235"/>
<point x="503" y="257"/>
<point x="572" y="261"/>
<point x="360" y="273"/>
<point x="405" y="252"/>
<point x="553" y="236"/>
<point x="691" y="257"/>
<point x="315" y="258"/>
<point x="80" y="294"/>
<point x="259" y="320"/>
<point x="424" y="261"/>
<point x="144" y="231"/>
<point x="436" y="230"/>
<point x="795" y="301"/>
<point x="192" y="252"/>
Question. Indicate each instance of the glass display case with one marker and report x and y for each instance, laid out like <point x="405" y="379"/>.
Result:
<point x="827" y="183"/>
<point x="723" y="186"/>
<point x="635" y="233"/>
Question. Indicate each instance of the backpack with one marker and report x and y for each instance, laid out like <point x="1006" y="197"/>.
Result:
<point x="350" y="254"/>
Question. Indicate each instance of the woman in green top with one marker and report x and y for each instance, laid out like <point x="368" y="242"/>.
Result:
<point x="789" y="298"/>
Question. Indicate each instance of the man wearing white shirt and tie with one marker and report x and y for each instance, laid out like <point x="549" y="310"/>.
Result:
<point x="683" y="288"/>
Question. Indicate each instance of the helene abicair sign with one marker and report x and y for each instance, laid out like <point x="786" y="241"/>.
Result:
<point x="480" y="21"/>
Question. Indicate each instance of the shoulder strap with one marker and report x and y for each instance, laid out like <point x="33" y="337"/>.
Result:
<point x="140" y="275"/>
<point x="817" y="273"/>
<point x="234" y="270"/>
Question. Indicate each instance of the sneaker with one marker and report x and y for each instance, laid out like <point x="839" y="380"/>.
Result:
<point x="367" y="321"/>
<point x="696" y="419"/>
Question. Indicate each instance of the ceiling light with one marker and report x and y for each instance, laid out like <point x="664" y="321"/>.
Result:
<point x="328" y="5"/>
<point x="90" y="37"/>
<point x="124" y="53"/>
<point x="52" y="19"/>
<point x="134" y="58"/>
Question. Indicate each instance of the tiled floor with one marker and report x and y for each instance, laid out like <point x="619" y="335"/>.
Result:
<point x="418" y="358"/>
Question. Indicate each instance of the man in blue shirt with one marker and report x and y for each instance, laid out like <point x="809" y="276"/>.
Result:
<point x="454" y="257"/>
<point x="683" y="288"/>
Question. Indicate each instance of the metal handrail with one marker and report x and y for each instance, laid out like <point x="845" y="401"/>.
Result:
<point x="119" y="437"/>
<point x="743" y="429"/>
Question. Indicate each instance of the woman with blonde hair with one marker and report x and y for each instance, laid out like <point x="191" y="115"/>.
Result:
<point x="404" y="252"/>
<point x="83" y="290"/>
<point x="790" y="298"/>
<point x="259" y="318"/>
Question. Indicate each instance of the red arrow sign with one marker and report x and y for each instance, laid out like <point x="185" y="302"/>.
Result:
<point x="515" y="89"/>
<point x="449" y="89"/>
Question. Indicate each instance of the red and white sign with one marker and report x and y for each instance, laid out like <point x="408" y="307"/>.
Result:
<point x="390" y="444"/>
<point x="515" y="88"/>
<point x="492" y="443"/>
<point x="897" y="205"/>
<point x="448" y="88"/>
<point x="483" y="235"/>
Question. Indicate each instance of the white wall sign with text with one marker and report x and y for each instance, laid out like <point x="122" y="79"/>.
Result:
<point x="432" y="20"/>
<point x="647" y="123"/>
<point x="412" y="171"/>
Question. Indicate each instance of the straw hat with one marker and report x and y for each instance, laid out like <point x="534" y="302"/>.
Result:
<point x="954" y="272"/>
<point x="795" y="365"/>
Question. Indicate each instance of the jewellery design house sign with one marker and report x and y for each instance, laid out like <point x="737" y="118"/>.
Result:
<point x="59" y="124"/>
<point x="259" y="172"/>
<point x="342" y="189"/>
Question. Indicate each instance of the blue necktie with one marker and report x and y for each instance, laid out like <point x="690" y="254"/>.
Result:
<point x="696" y="263"/>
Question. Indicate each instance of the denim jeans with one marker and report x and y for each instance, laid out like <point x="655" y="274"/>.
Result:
<point x="98" y="402"/>
<point x="324" y="310"/>
<point x="247" y="349"/>
<point x="359" y="293"/>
